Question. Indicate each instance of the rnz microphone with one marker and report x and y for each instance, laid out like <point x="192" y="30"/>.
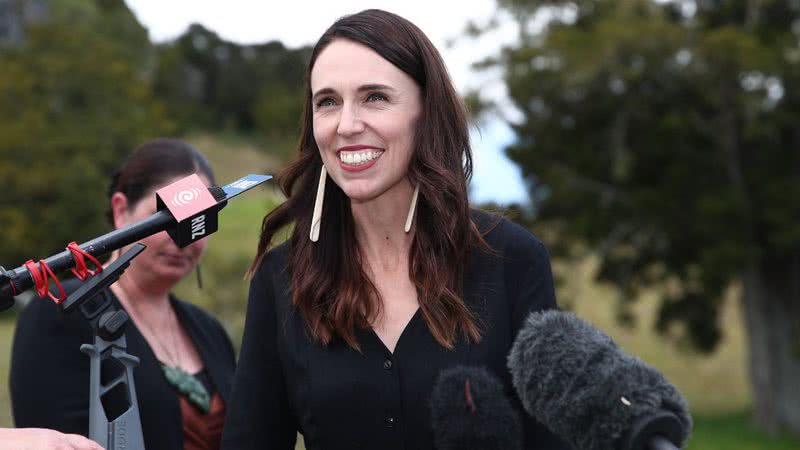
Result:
<point x="576" y="381"/>
<point x="469" y="411"/>
<point x="187" y="211"/>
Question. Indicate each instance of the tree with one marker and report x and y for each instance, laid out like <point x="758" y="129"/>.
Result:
<point x="74" y="101"/>
<point x="664" y="136"/>
<point x="209" y="82"/>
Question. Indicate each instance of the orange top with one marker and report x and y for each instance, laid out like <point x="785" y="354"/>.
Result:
<point x="202" y="431"/>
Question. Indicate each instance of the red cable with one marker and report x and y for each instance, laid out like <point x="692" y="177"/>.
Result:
<point x="80" y="270"/>
<point x="468" y="394"/>
<point x="41" y="283"/>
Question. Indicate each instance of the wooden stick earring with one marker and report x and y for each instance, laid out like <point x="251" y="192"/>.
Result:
<point x="412" y="209"/>
<point x="199" y="274"/>
<point x="316" y="218"/>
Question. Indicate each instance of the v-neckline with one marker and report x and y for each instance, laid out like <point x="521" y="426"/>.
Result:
<point x="179" y="316"/>
<point x="399" y="338"/>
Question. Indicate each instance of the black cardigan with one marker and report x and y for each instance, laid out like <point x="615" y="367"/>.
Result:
<point x="340" y="398"/>
<point x="50" y="376"/>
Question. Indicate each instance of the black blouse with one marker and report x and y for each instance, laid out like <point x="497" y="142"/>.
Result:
<point x="49" y="376"/>
<point x="339" y="398"/>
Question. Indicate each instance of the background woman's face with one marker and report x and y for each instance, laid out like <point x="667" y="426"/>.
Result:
<point x="162" y="259"/>
<point x="365" y="112"/>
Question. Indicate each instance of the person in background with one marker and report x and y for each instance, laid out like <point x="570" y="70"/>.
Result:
<point x="389" y="277"/>
<point x="184" y="377"/>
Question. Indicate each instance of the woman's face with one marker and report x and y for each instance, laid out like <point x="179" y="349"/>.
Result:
<point x="162" y="260"/>
<point x="365" y="117"/>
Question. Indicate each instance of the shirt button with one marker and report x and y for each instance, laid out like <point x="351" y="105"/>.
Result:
<point x="390" y="422"/>
<point x="387" y="364"/>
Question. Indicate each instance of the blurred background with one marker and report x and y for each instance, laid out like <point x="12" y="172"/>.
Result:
<point x="653" y="145"/>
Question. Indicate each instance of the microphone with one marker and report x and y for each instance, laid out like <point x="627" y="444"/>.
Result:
<point x="470" y="411"/>
<point x="187" y="210"/>
<point x="576" y="381"/>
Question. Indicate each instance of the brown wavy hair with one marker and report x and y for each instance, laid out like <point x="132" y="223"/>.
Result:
<point x="327" y="279"/>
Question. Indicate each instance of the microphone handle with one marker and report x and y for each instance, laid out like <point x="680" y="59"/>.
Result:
<point x="661" y="443"/>
<point x="655" y="430"/>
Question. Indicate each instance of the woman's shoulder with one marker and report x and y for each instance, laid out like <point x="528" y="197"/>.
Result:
<point x="41" y="320"/>
<point x="507" y="238"/>
<point x="199" y="318"/>
<point x="274" y="261"/>
<point x="43" y="309"/>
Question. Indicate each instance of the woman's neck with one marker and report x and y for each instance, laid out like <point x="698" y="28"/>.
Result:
<point x="380" y="228"/>
<point x="139" y="284"/>
<point x="135" y="285"/>
<point x="129" y="289"/>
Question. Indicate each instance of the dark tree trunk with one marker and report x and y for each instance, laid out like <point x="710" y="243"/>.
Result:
<point x="771" y="301"/>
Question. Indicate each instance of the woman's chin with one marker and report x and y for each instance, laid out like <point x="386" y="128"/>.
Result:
<point x="361" y="193"/>
<point x="173" y="273"/>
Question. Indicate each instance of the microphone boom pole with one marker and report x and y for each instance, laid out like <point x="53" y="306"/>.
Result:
<point x="20" y="279"/>
<point x="183" y="231"/>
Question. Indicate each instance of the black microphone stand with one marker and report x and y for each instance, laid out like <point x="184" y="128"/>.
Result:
<point x="108" y="355"/>
<point x="114" y="421"/>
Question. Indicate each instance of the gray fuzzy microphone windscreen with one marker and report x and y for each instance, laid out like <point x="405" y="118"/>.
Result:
<point x="575" y="380"/>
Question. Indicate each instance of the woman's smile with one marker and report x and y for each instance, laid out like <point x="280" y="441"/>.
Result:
<point x="357" y="158"/>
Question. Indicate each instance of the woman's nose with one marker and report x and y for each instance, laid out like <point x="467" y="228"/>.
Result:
<point x="349" y="121"/>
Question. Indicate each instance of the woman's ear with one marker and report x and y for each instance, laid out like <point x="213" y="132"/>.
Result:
<point x="119" y="209"/>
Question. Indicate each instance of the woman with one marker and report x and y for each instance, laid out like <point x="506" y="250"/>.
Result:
<point x="187" y="361"/>
<point x="388" y="277"/>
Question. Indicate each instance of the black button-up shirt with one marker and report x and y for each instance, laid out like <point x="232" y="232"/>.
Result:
<point x="340" y="398"/>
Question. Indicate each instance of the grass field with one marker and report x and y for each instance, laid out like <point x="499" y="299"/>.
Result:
<point x="6" y="334"/>
<point x="715" y="385"/>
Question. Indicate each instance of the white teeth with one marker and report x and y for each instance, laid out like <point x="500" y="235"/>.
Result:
<point x="358" y="158"/>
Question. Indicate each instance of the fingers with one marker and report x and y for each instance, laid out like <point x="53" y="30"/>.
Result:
<point x="79" y="442"/>
<point x="41" y="438"/>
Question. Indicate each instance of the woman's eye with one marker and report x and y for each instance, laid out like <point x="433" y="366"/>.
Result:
<point x="376" y="97"/>
<point x="327" y="101"/>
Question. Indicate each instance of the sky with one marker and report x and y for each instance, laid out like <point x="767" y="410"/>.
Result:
<point x="301" y="22"/>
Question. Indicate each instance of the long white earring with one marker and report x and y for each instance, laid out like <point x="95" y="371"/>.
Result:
<point x="412" y="209"/>
<point x="316" y="218"/>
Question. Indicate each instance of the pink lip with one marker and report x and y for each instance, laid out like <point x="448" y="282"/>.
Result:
<point x="354" y="148"/>
<point x="174" y="258"/>
<point x="360" y="168"/>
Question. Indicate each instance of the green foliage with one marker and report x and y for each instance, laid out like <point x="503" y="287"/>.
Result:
<point x="216" y="84"/>
<point x="734" y="430"/>
<point x="73" y="103"/>
<point x="664" y="140"/>
<point x="85" y="86"/>
<point x="278" y="110"/>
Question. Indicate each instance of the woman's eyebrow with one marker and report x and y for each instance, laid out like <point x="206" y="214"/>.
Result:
<point x="323" y="91"/>
<point x="362" y="88"/>
<point x="375" y="87"/>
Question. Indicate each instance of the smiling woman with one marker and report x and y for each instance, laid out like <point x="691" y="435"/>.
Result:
<point x="389" y="277"/>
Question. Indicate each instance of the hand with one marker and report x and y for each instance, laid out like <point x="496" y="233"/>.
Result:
<point x="41" y="438"/>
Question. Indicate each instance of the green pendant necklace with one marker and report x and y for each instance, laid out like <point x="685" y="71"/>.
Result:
<point x="186" y="383"/>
